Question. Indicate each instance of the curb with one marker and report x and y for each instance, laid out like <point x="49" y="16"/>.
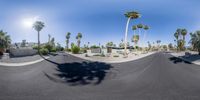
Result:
<point x="22" y="64"/>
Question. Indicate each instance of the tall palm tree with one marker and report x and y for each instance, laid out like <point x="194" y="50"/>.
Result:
<point x="49" y="36"/>
<point x="129" y="15"/>
<point x="88" y="44"/>
<point x="2" y="39"/>
<point x="134" y="28"/>
<point x="78" y="37"/>
<point x="158" y="43"/>
<point x="184" y="33"/>
<point x="38" y="26"/>
<point x="140" y="26"/>
<point x="67" y="41"/>
<point x="176" y="35"/>
<point x="179" y="32"/>
<point x="146" y="27"/>
<point x="5" y="40"/>
<point x="109" y="44"/>
<point x="195" y="40"/>
<point x="135" y="39"/>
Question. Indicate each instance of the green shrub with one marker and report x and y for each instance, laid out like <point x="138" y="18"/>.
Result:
<point x="75" y="49"/>
<point x="116" y="56"/>
<point x="48" y="46"/>
<point x="35" y="47"/>
<point x="62" y="49"/>
<point x="83" y="50"/>
<point x="44" y="51"/>
<point x="97" y="55"/>
<point x="68" y="50"/>
<point x="94" y="46"/>
<point x="103" y="55"/>
<point x="53" y="50"/>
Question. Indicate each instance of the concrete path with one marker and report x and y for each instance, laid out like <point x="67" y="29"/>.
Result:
<point x="22" y="63"/>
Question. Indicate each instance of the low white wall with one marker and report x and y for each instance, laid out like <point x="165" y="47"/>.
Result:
<point x="22" y="52"/>
<point x="114" y="51"/>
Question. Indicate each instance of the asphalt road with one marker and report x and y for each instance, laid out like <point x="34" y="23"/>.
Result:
<point x="64" y="77"/>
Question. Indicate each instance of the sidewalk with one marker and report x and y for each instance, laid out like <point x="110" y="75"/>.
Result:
<point x="193" y="58"/>
<point x="22" y="61"/>
<point x="120" y="59"/>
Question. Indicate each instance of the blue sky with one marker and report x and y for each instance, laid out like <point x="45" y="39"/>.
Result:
<point x="100" y="21"/>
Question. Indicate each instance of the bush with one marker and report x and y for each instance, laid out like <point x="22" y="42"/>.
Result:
<point x="94" y="46"/>
<point x="62" y="49"/>
<point x="35" y="47"/>
<point x="116" y="56"/>
<point x="68" y="50"/>
<point x="44" y="51"/>
<point x="83" y="50"/>
<point x="97" y="55"/>
<point x="53" y="50"/>
<point x="48" y="46"/>
<point x="59" y="48"/>
<point x="75" y="49"/>
<point x="102" y="55"/>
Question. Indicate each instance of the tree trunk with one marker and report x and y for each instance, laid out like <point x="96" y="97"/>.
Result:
<point x="125" y="38"/>
<point x="38" y="42"/>
<point x="199" y="51"/>
<point x="67" y="44"/>
<point x="79" y="42"/>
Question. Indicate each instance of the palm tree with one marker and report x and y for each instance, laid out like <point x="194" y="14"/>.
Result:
<point x="2" y="39"/>
<point x="145" y="28"/>
<point x="88" y="44"/>
<point x="38" y="26"/>
<point x="195" y="40"/>
<point x="5" y="40"/>
<point x="179" y="32"/>
<point x="49" y="38"/>
<point x="184" y="33"/>
<point x="129" y="15"/>
<point x="134" y="28"/>
<point x="135" y="39"/>
<point x="140" y="26"/>
<point x="67" y="41"/>
<point x="109" y="44"/>
<point x="176" y="35"/>
<point x="78" y="37"/>
<point x="158" y="43"/>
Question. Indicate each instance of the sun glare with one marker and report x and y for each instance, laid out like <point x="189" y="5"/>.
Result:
<point x="28" y="22"/>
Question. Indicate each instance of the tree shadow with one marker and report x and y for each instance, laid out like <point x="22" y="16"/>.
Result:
<point x="79" y="73"/>
<point x="192" y="57"/>
<point x="178" y="60"/>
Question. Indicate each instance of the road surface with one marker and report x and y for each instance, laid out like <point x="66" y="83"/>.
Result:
<point x="64" y="77"/>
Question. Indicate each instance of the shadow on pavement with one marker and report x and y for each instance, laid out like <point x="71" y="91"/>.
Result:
<point x="178" y="60"/>
<point x="79" y="73"/>
<point x="192" y="57"/>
